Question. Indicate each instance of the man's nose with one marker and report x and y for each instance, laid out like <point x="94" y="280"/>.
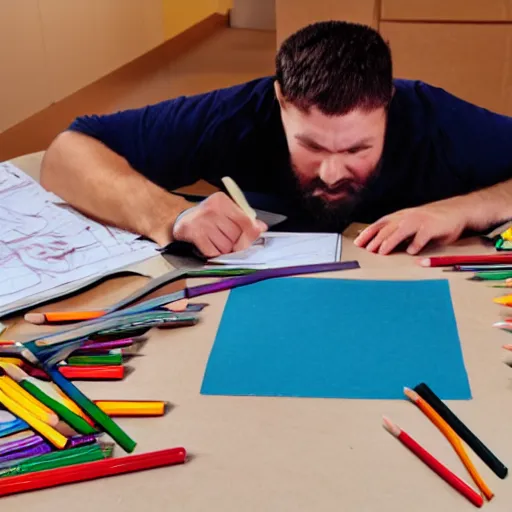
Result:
<point x="331" y="169"/>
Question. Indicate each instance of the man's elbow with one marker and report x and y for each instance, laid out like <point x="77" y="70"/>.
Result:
<point x="54" y="161"/>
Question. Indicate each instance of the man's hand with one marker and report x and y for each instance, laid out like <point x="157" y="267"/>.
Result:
<point x="217" y="226"/>
<point x="442" y="222"/>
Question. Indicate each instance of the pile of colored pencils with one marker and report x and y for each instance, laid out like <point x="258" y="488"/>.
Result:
<point x="493" y="268"/>
<point x="455" y="432"/>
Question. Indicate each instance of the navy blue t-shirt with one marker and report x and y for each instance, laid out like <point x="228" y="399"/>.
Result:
<point x="436" y="146"/>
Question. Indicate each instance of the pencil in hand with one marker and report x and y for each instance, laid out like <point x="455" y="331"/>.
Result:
<point x="436" y="466"/>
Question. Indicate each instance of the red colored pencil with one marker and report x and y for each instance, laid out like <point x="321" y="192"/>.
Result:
<point x="82" y="372"/>
<point x="482" y="259"/>
<point x="91" y="471"/>
<point x="433" y="463"/>
<point x="92" y="372"/>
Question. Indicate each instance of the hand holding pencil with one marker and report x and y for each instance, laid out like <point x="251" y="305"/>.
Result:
<point x="220" y="225"/>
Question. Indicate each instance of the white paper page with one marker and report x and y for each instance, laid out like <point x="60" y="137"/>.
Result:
<point x="286" y="250"/>
<point x="45" y="244"/>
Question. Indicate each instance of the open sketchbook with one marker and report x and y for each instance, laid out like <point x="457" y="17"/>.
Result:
<point x="285" y="250"/>
<point x="45" y="244"/>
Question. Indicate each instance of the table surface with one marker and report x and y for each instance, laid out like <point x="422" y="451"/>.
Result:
<point x="291" y="454"/>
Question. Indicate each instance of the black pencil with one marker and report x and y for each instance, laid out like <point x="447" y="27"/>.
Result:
<point x="462" y="431"/>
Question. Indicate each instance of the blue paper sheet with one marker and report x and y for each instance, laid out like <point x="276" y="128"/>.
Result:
<point x="332" y="338"/>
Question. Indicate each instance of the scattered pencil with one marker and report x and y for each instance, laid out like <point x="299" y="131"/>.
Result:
<point x="481" y="259"/>
<point x="452" y="438"/>
<point x="436" y="466"/>
<point x="91" y="471"/>
<point x="61" y="317"/>
<point x="462" y="430"/>
<point x="507" y="347"/>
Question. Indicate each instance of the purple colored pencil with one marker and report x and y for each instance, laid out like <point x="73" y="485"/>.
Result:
<point x="20" y="444"/>
<point x="94" y="346"/>
<point x="234" y="282"/>
<point x="26" y="453"/>
<point x="81" y="440"/>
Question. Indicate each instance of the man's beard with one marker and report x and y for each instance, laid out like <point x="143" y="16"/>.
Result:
<point x="337" y="214"/>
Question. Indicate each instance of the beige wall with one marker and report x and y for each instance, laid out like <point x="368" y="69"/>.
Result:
<point x="254" y="14"/>
<point x="51" y="48"/>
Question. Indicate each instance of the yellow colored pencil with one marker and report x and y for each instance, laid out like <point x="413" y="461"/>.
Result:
<point x="14" y="391"/>
<point x="48" y="432"/>
<point x="453" y="439"/>
<point x="131" y="407"/>
<point x="11" y="360"/>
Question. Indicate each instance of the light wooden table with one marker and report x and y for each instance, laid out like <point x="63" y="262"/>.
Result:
<point x="283" y="454"/>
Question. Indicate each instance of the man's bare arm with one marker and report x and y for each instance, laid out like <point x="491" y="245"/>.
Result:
<point x="443" y="221"/>
<point x="101" y="184"/>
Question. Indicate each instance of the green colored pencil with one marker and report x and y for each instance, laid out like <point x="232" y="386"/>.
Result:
<point x="72" y="419"/>
<point x="96" y="359"/>
<point x="59" y="459"/>
<point x="491" y="276"/>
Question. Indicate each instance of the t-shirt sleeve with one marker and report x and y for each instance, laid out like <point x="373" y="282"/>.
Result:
<point x="475" y="143"/>
<point x="168" y="142"/>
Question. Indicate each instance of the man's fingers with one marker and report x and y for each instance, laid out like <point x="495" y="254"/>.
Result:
<point x="229" y="228"/>
<point x="421" y="239"/>
<point x="368" y="233"/>
<point x="382" y="235"/>
<point x="206" y="247"/>
<point x="402" y="233"/>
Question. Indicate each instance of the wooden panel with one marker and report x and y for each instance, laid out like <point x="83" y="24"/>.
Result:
<point x="86" y="39"/>
<point x="291" y="15"/>
<point x="25" y="89"/>
<point x="447" y="10"/>
<point x="469" y="60"/>
<point x="179" y="15"/>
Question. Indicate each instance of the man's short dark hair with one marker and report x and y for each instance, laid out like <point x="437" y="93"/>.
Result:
<point x="336" y="67"/>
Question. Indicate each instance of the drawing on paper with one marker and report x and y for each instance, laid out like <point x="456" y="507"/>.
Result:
<point x="45" y="243"/>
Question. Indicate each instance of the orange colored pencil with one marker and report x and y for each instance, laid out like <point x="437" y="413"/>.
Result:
<point x="62" y="316"/>
<point x="453" y="439"/>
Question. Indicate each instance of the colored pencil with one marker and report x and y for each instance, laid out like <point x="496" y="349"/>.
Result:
<point x="13" y="427"/>
<point x="49" y="389"/>
<point x="506" y="326"/>
<point x="481" y="259"/>
<point x="439" y="468"/>
<point x="90" y="471"/>
<point x="116" y="408"/>
<point x="24" y="434"/>
<point x="92" y="410"/>
<point x="452" y="438"/>
<point x="15" y="392"/>
<point x="18" y="444"/>
<point x="100" y="346"/>
<point x="507" y="347"/>
<point x="462" y="430"/>
<point x="61" y="317"/>
<point x="110" y="359"/>
<point x="65" y="458"/>
<point x="26" y="453"/>
<point x="92" y="372"/>
<point x="39" y="426"/>
<point x="480" y="268"/>
<point x="494" y="275"/>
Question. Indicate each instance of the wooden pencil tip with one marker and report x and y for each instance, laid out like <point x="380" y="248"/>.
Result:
<point x="412" y="395"/>
<point x="35" y="318"/>
<point x="390" y="426"/>
<point x="425" y="262"/>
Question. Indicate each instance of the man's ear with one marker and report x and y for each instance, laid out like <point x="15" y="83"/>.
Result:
<point x="279" y="95"/>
